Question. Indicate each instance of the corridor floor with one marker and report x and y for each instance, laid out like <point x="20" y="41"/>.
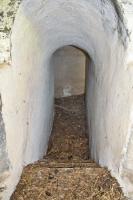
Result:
<point x="66" y="172"/>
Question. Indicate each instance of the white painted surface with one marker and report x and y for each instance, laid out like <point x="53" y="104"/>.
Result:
<point x="69" y="65"/>
<point x="27" y="87"/>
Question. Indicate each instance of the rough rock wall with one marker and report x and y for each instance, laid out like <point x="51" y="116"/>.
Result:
<point x="27" y="81"/>
<point x="8" y="9"/>
<point x="4" y="161"/>
<point x="126" y="163"/>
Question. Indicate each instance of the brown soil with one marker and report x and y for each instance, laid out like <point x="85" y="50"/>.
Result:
<point x="66" y="171"/>
<point x="69" y="140"/>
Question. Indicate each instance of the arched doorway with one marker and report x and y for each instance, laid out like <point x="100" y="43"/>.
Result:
<point x="69" y="65"/>
<point x="67" y="171"/>
<point x="28" y="107"/>
<point x="69" y="139"/>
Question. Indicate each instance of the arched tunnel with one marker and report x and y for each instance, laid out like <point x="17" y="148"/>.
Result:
<point x="41" y="31"/>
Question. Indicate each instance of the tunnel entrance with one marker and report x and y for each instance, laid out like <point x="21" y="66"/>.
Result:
<point x="66" y="172"/>
<point x="69" y="139"/>
<point x="27" y="88"/>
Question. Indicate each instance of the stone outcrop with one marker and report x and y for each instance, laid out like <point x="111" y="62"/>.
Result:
<point x="30" y="32"/>
<point x="8" y="9"/>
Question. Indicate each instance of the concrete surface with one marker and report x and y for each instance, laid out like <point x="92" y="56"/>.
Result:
<point x="69" y="65"/>
<point x="103" y="29"/>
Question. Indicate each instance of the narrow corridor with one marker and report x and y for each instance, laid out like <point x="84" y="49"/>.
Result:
<point x="66" y="172"/>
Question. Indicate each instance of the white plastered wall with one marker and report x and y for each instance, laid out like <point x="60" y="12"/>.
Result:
<point x="69" y="69"/>
<point x="27" y="86"/>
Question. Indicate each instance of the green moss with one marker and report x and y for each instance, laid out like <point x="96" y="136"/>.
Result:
<point x="10" y="13"/>
<point x="6" y="29"/>
<point x="1" y="14"/>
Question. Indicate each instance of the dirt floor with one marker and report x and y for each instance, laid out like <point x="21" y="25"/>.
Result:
<point x="66" y="172"/>
<point x="69" y="140"/>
